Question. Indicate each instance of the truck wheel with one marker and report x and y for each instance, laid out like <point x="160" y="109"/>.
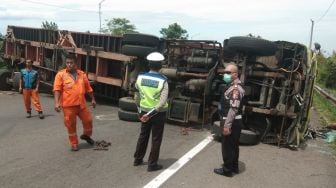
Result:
<point x="4" y="75"/>
<point x="128" y="116"/>
<point x="248" y="137"/>
<point x="128" y="104"/>
<point x="140" y="39"/>
<point x="16" y="80"/>
<point x="135" y="50"/>
<point x="217" y="131"/>
<point x="250" y="45"/>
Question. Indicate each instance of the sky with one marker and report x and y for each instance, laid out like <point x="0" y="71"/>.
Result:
<point x="274" y="20"/>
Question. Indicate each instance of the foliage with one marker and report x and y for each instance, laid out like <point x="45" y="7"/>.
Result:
<point x="1" y="41"/>
<point x="326" y="71"/>
<point x="322" y="72"/>
<point x="331" y="76"/>
<point x="253" y="36"/>
<point x="1" y="48"/>
<point x="174" y="31"/>
<point x="118" y="26"/>
<point x="49" y="25"/>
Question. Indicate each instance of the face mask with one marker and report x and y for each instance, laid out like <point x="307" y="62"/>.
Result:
<point x="227" y="78"/>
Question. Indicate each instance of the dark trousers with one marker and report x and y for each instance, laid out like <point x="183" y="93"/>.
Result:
<point x="156" y="125"/>
<point x="230" y="146"/>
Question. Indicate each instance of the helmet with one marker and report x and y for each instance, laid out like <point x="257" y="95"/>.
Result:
<point x="155" y="56"/>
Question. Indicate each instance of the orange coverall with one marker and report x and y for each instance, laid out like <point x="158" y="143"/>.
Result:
<point x="73" y="102"/>
<point x="31" y="94"/>
<point x="28" y="83"/>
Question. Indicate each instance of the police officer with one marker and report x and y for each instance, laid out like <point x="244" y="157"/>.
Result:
<point x="231" y="120"/>
<point x="151" y="100"/>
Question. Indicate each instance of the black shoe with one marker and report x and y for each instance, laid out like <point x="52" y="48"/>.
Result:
<point x="154" y="167"/>
<point x="235" y="170"/>
<point x="87" y="139"/>
<point x="41" y="116"/>
<point x="74" y="148"/>
<point x="138" y="162"/>
<point x="222" y="172"/>
<point x="28" y="115"/>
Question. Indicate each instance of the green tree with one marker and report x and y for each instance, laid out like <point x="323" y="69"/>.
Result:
<point x="326" y="70"/>
<point x="1" y="41"/>
<point x="331" y="73"/>
<point x="2" y="38"/>
<point x="253" y="36"/>
<point x="174" y="31"/>
<point x="49" y="25"/>
<point x="118" y="26"/>
<point x="322" y="69"/>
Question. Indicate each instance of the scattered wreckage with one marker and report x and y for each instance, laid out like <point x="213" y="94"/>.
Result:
<point x="278" y="76"/>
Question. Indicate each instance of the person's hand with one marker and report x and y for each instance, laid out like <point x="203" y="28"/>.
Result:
<point x="20" y="90"/>
<point x="226" y="131"/>
<point x="93" y="102"/>
<point x="144" y="118"/>
<point x="57" y="108"/>
<point x="36" y="89"/>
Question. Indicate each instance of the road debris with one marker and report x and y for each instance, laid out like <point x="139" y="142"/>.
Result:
<point x="101" y="145"/>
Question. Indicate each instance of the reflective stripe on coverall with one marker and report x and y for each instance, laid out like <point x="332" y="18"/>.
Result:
<point x="70" y="115"/>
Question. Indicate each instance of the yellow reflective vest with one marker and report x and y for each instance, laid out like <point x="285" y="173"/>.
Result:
<point x="150" y="86"/>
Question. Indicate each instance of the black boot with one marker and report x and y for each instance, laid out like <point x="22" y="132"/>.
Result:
<point x="138" y="162"/>
<point x="154" y="167"/>
<point x="223" y="172"/>
<point x="87" y="139"/>
<point x="41" y="116"/>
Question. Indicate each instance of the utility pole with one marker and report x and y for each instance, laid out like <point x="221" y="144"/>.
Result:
<point x="311" y="33"/>
<point x="100" y="15"/>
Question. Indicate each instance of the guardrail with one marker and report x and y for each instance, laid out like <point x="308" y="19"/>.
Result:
<point x="325" y="94"/>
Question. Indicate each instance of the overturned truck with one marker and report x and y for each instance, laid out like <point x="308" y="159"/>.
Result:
<point x="278" y="76"/>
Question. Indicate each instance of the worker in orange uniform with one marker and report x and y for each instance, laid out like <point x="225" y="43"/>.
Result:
<point x="70" y="86"/>
<point x="29" y="85"/>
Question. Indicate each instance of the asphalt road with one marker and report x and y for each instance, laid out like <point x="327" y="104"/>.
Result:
<point x="35" y="153"/>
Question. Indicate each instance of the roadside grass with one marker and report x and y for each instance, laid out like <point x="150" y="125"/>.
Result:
<point x="328" y="112"/>
<point x="325" y="108"/>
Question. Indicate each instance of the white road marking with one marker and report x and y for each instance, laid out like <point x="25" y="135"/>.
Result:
<point x="165" y="175"/>
<point x="107" y="117"/>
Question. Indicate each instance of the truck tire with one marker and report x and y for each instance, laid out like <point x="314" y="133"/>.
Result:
<point x="252" y="45"/>
<point x="16" y="80"/>
<point x="128" y="116"/>
<point x="128" y="104"/>
<point x="4" y="75"/>
<point x="248" y="137"/>
<point x="140" y="39"/>
<point x="216" y="131"/>
<point x="136" y="50"/>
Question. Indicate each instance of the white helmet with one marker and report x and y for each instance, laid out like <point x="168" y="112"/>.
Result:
<point x="155" y="56"/>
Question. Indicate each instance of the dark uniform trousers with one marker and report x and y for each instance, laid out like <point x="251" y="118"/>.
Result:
<point x="156" y="125"/>
<point x="230" y="146"/>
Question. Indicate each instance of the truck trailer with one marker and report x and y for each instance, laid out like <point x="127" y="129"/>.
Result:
<point x="278" y="76"/>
